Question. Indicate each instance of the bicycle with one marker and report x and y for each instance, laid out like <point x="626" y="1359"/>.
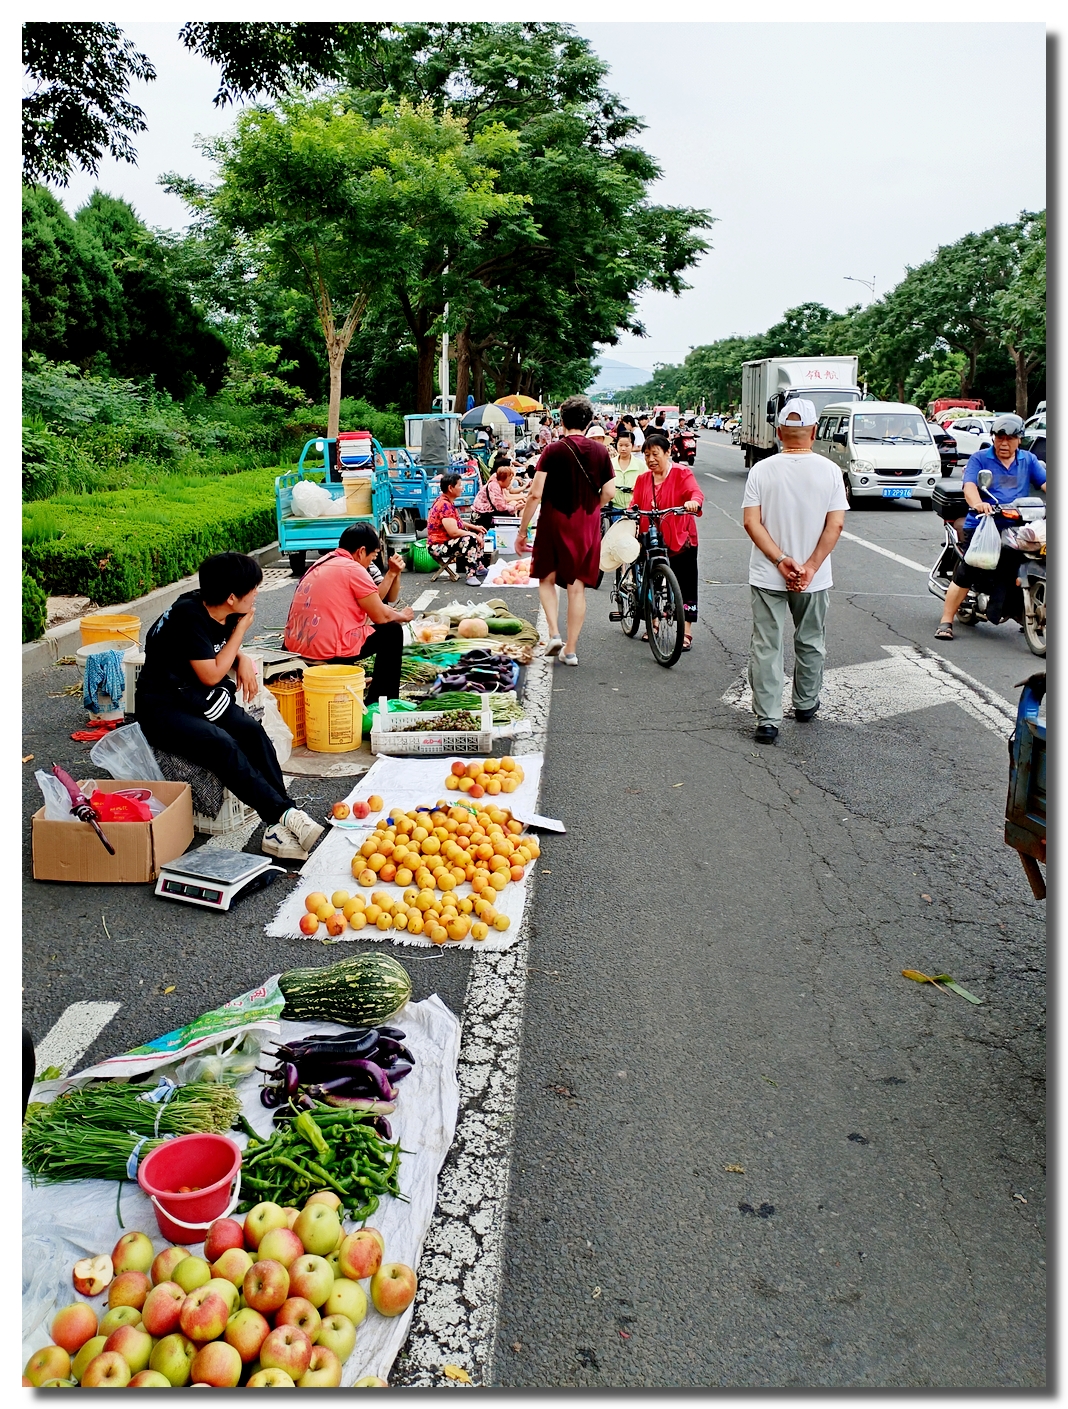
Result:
<point x="648" y="590"/>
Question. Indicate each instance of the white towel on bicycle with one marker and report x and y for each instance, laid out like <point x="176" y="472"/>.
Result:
<point x="619" y="545"/>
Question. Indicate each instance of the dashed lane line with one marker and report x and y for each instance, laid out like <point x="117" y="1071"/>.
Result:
<point x="719" y="477"/>
<point x="456" y="1309"/>
<point x="71" y="1036"/>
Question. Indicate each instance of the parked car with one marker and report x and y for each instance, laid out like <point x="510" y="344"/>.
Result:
<point x="947" y="447"/>
<point x="971" y="433"/>
<point x="1034" y="436"/>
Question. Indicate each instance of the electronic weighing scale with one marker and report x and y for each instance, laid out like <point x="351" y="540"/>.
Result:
<point x="215" y="878"/>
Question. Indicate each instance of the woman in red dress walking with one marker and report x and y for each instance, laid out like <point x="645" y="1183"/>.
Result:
<point x="574" y="478"/>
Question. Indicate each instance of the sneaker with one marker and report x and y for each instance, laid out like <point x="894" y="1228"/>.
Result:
<point x="279" y="841"/>
<point x="474" y="580"/>
<point x="306" y="829"/>
<point x="554" y="647"/>
<point x="569" y="658"/>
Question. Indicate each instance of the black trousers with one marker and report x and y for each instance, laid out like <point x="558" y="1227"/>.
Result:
<point x="386" y="644"/>
<point x="236" y="750"/>
<point x="684" y="566"/>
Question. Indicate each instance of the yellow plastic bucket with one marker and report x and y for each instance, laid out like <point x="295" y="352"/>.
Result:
<point x="111" y="627"/>
<point x="333" y="707"/>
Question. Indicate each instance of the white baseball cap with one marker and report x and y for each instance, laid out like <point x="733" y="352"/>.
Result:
<point x="798" y="406"/>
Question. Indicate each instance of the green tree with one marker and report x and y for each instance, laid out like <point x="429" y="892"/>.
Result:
<point x="78" y="107"/>
<point x="537" y="291"/>
<point x="355" y="214"/>
<point x="1020" y="308"/>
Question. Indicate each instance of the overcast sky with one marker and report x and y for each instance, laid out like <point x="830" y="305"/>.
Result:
<point x="823" y="150"/>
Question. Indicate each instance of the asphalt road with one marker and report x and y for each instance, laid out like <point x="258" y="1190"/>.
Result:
<point x="748" y="1152"/>
<point x="714" y="980"/>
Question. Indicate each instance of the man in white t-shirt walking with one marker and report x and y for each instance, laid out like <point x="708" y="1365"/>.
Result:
<point x="793" y="510"/>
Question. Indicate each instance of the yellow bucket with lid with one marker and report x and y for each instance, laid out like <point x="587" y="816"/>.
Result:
<point x="110" y="626"/>
<point x="333" y="707"/>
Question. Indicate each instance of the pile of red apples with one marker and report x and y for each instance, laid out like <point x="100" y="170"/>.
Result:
<point x="273" y="1303"/>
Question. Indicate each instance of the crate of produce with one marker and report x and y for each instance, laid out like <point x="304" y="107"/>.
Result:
<point x="232" y="814"/>
<point x="390" y="736"/>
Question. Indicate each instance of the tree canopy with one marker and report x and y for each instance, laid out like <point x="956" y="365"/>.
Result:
<point x="78" y="107"/>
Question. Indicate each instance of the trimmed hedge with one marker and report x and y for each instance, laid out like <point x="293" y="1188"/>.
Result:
<point x="34" y="609"/>
<point x="120" y="544"/>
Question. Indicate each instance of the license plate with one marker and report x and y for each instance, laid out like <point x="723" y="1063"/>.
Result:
<point x="905" y="492"/>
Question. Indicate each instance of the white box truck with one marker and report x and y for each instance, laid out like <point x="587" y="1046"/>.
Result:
<point x="770" y="381"/>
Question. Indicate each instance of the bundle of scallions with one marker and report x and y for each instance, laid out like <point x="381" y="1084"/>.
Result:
<point x="90" y="1133"/>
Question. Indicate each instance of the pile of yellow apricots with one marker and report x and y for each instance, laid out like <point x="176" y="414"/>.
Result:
<point x="430" y="853"/>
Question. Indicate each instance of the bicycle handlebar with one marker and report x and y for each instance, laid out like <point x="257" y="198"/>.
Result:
<point x="654" y="513"/>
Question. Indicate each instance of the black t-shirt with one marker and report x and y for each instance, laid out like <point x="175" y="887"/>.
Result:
<point x="184" y="633"/>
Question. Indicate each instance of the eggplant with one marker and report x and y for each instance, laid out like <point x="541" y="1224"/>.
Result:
<point x="292" y="1079"/>
<point x="377" y="1077"/>
<point x="272" y="1096"/>
<point x="382" y="1127"/>
<point x="393" y="1032"/>
<point x="398" y="1072"/>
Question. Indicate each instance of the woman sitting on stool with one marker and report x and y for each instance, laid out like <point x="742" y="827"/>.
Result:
<point x="448" y="537"/>
<point x="187" y="705"/>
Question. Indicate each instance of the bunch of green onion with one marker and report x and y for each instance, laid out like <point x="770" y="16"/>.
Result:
<point x="53" y="1152"/>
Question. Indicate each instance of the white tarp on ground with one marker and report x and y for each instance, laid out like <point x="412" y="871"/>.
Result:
<point x="62" y="1223"/>
<point x="405" y="783"/>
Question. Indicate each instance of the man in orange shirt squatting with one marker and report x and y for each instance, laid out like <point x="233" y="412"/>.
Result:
<point x="338" y="615"/>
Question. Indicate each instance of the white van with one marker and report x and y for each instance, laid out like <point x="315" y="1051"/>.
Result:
<point x="884" y="450"/>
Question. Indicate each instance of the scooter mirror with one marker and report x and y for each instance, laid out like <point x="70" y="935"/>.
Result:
<point x="985" y="478"/>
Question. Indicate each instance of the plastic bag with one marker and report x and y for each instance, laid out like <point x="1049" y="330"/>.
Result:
<point x="229" y="1064"/>
<point x="125" y="753"/>
<point x="56" y="797"/>
<point x="985" y="548"/>
<point x="312" y="501"/>
<point x="264" y="708"/>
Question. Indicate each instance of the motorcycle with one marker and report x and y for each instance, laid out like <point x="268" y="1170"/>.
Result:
<point x="736" y="435"/>
<point x="1031" y="578"/>
<point x="684" y="447"/>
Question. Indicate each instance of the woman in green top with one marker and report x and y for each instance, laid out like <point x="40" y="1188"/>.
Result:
<point x="628" y="467"/>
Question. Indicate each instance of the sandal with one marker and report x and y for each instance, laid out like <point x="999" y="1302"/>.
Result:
<point x="687" y="645"/>
<point x="945" y="631"/>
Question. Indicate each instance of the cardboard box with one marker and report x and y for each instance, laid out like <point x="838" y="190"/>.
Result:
<point x="71" y="851"/>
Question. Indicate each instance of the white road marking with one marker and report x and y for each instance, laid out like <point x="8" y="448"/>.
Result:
<point x="460" y="1269"/>
<point x="424" y="599"/>
<point x="910" y="679"/>
<point x="71" y="1036"/>
<point x="719" y="477"/>
<point x="886" y="553"/>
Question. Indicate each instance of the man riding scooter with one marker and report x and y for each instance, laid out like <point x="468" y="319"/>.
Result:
<point x="1016" y="474"/>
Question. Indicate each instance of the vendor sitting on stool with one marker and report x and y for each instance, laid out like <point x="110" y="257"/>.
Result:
<point x="186" y="704"/>
<point x="338" y="615"/>
<point x="497" y="495"/>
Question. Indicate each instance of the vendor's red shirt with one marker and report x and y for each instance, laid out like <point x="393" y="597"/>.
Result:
<point x="679" y="487"/>
<point x="325" y="617"/>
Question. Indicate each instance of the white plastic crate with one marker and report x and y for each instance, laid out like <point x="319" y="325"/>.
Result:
<point x="233" y="813"/>
<point x="388" y="735"/>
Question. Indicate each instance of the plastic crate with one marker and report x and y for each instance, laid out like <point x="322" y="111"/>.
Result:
<point x="387" y="736"/>
<point x="232" y="814"/>
<point x="290" y="697"/>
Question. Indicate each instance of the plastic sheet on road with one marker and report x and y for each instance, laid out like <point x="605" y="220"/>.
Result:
<point x="62" y="1223"/>
<point x="405" y="783"/>
<point x="493" y="576"/>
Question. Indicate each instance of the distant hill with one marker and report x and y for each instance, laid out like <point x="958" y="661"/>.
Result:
<point x="612" y="375"/>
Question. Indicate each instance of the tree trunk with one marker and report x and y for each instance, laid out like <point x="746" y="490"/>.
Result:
<point x="901" y="391"/>
<point x="1023" y="364"/>
<point x="424" y="377"/>
<point x="478" y="379"/>
<point x="463" y="369"/>
<point x="336" y="355"/>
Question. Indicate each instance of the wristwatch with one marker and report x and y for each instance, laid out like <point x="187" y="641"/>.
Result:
<point x="780" y="560"/>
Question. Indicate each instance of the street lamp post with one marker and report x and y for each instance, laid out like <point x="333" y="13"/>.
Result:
<point x="868" y="283"/>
